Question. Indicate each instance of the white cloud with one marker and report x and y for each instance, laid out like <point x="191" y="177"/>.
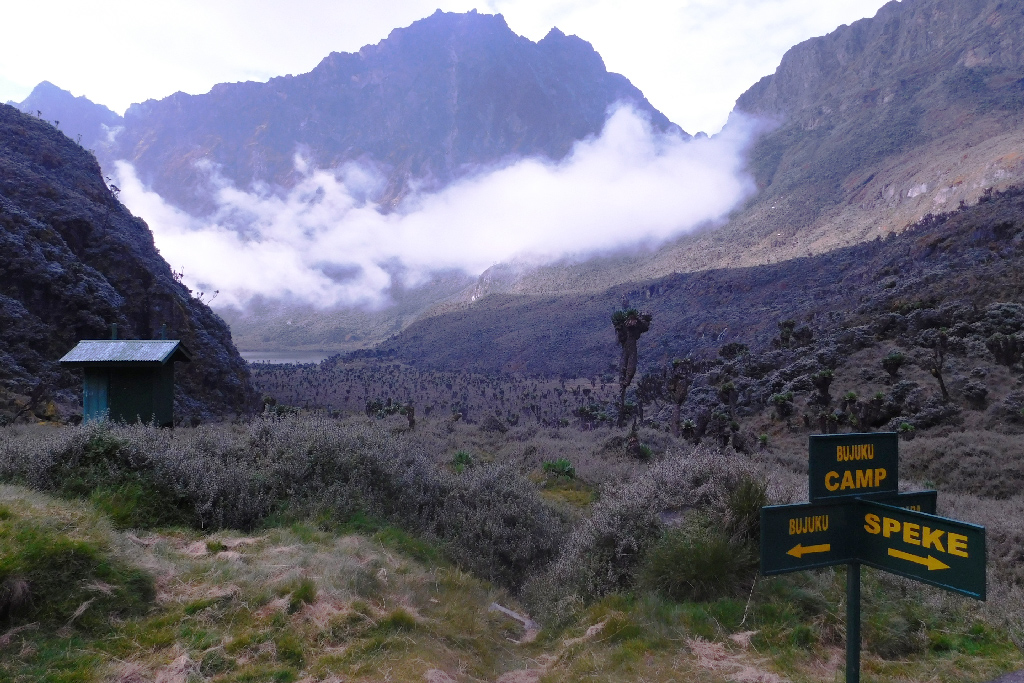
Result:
<point x="323" y="243"/>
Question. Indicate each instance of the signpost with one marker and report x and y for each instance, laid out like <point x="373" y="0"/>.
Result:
<point x="804" y="536"/>
<point x="849" y="465"/>
<point x="857" y="515"/>
<point x="942" y="552"/>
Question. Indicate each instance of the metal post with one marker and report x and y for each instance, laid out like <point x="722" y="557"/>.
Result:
<point x="113" y="330"/>
<point x="853" y="622"/>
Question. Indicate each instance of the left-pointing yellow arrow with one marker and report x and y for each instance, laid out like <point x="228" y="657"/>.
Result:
<point x="799" y="550"/>
<point x="930" y="562"/>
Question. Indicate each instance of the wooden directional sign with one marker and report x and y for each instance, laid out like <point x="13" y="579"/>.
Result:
<point x="849" y="465"/>
<point x="919" y="501"/>
<point x="942" y="552"/>
<point x="857" y="515"/>
<point x="809" y="535"/>
<point x="804" y="536"/>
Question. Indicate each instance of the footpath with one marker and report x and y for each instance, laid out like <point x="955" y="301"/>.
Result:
<point x="1015" y="677"/>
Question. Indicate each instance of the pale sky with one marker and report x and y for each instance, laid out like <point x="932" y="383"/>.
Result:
<point x="691" y="58"/>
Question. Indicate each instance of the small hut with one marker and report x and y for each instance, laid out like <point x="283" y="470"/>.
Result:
<point x="130" y="380"/>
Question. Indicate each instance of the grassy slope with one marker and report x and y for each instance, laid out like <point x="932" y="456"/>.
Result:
<point x="365" y="601"/>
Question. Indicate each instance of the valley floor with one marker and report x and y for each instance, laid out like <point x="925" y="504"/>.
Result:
<point x="308" y="598"/>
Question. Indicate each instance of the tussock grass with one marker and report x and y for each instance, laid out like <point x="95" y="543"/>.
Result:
<point x="698" y="563"/>
<point x="60" y="569"/>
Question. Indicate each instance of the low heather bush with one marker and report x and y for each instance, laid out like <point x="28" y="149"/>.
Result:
<point x="488" y="518"/>
<point x="605" y="550"/>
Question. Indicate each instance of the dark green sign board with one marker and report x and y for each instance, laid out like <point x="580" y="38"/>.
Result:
<point x="809" y="535"/>
<point x="939" y="551"/>
<point x="850" y="465"/>
<point x="918" y="501"/>
<point x="857" y="516"/>
<point x="805" y="536"/>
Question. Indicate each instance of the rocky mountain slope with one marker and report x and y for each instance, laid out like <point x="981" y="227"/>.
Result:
<point x="80" y="118"/>
<point x="75" y="261"/>
<point x="433" y="100"/>
<point x="971" y="257"/>
<point x="877" y="124"/>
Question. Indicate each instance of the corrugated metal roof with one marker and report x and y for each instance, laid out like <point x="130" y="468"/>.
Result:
<point x="126" y="351"/>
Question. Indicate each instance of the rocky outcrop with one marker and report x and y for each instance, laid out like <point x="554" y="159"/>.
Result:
<point x="906" y="45"/>
<point x="877" y="124"/>
<point x="429" y="103"/>
<point x="74" y="261"/>
<point x="919" y="78"/>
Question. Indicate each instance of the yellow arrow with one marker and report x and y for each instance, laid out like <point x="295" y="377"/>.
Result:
<point x="799" y="551"/>
<point x="929" y="561"/>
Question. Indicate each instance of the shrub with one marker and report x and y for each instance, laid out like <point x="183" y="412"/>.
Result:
<point x="560" y="468"/>
<point x="743" y="509"/>
<point x="604" y="551"/>
<point x="893" y="362"/>
<point x="1005" y="348"/>
<point x="489" y="519"/>
<point x="976" y="394"/>
<point x="461" y="461"/>
<point x="783" y="403"/>
<point x="733" y="350"/>
<point x="699" y="563"/>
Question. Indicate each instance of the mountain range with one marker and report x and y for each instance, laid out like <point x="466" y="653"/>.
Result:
<point x="872" y="127"/>
<point x="431" y="102"/>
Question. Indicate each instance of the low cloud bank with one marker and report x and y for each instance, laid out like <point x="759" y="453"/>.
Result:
<point x="325" y="243"/>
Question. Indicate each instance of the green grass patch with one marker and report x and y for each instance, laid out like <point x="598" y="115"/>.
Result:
<point x="403" y="542"/>
<point x="136" y="503"/>
<point x="699" y="563"/>
<point x="302" y="592"/>
<point x="51" y="577"/>
<point x="263" y="673"/>
<point x="567" y="491"/>
<point x="396" y="620"/>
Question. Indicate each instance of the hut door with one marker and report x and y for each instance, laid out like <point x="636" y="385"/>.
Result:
<point x="94" y="399"/>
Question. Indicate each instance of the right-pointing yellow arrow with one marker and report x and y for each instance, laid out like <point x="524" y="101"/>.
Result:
<point x="930" y="562"/>
<point x="799" y="550"/>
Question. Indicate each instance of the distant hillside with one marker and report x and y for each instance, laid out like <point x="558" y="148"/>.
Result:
<point x="877" y="124"/>
<point x="433" y="100"/>
<point x="971" y="257"/>
<point x="77" y="117"/>
<point x="75" y="261"/>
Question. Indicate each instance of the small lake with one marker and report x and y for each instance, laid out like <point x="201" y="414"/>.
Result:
<point x="280" y="357"/>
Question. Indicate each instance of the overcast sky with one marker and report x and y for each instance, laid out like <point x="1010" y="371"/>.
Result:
<point x="691" y="58"/>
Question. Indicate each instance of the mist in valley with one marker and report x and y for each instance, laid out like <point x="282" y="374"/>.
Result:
<point x="326" y="243"/>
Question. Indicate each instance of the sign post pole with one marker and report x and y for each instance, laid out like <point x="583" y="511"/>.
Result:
<point x="857" y="515"/>
<point x="853" y="622"/>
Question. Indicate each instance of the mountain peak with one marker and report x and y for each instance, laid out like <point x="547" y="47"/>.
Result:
<point x="80" y="118"/>
<point x="449" y="93"/>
